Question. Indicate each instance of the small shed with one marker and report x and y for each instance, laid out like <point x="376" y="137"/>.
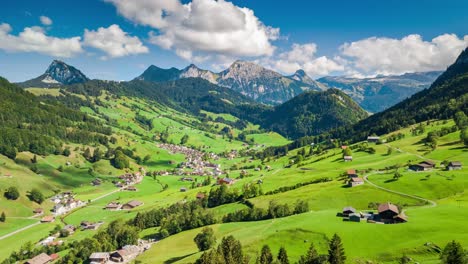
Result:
<point x="348" y="210"/>
<point x="348" y="158"/>
<point x="353" y="182"/>
<point x="454" y="165"/>
<point x="355" y="217"/>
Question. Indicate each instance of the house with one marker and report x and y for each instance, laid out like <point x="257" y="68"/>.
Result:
<point x="113" y="206"/>
<point x="47" y="241"/>
<point x="388" y="211"/>
<point x="352" y="173"/>
<point x="47" y="219"/>
<point x="70" y="229"/>
<point x="422" y="166"/>
<point x="454" y="165"/>
<point x="132" y="204"/>
<point x="373" y="139"/>
<point x="401" y="218"/>
<point x="355" y="182"/>
<point x="99" y="257"/>
<point x="85" y="225"/>
<point x="131" y="188"/>
<point x="355" y="217"/>
<point x="348" y="158"/>
<point x="348" y="210"/>
<point x="226" y="181"/>
<point x="42" y="258"/>
<point x="187" y="179"/>
<point x="200" y="196"/>
<point x="38" y="211"/>
<point x="59" y="209"/>
<point x="96" y="182"/>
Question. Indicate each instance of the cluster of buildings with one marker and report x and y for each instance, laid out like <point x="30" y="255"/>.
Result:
<point x="428" y="165"/>
<point x="114" y="206"/>
<point x="124" y="255"/>
<point x="353" y="179"/>
<point x="86" y="225"/>
<point x="131" y="178"/>
<point x="65" y="202"/>
<point x="387" y="213"/>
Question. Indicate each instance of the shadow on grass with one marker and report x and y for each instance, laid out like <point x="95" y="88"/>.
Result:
<point x="175" y="259"/>
<point x="390" y="180"/>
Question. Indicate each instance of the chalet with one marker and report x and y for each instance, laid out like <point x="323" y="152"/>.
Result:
<point x="352" y="174"/>
<point x="126" y="254"/>
<point x="38" y="211"/>
<point x="226" y="181"/>
<point x="99" y="257"/>
<point x="85" y="225"/>
<point x="401" y="218"/>
<point x="70" y="229"/>
<point x="355" y="182"/>
<point x="348" y="210"/>
<point x="42" y="258"/>
<point x="183" y="189"/>
<point x="388" y="211"/>
<point x="132" y="204"/>
<point x="200" y="196"/>
<point x="113" y="206"/>
<point x="131" y="188"/>
<point x="348" y="158"/>
<point x="422" y="166"/>
<point x="373" y="139"/>
<point x="454" y="165"/>
<point x="355" y="217"/>
<point x="47" y="219"/>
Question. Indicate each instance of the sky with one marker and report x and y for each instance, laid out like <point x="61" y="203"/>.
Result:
<point x="119" y="39"/>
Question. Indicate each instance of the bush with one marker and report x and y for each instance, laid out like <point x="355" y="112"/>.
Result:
<point x="36" y="196"/>
<point x="206" y="239"/>
<point x="12" y="193"/>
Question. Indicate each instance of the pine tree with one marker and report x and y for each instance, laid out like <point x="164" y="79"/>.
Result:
<point x="266" y="257"/>
<point x="453" y="253"/>
<point x="312" y="256"/>
<point x="283" y="256"/>
<point x="336" y="254"/>
<point x="2" y="217"/>
<point x="34" y="159"/>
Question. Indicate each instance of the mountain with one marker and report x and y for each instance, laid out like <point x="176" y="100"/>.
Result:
<point x="57" y="74"/>
<point x="250" y="79"/>
<point x="312" y="113"/>
<point x="446" y="96"/>
<point x="379" y="93"/>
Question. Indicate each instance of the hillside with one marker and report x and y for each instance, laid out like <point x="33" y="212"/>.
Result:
<point x="57" y="74"/>
<point x="312" y="113"/>
<point x="379" y="93"/>
<point x="250" y="79"/>
<point x="446" y="96"/>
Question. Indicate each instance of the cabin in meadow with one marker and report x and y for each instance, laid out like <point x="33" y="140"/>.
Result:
<point x="352" y="174"/>
<point x="348" y="158"/>
<point x="99" y="257"/>
<point x="454" y="165"/>
<point x="353" y="182"/>
<point x="113" y="206"/>
<point x="355" y="217"/>
<point x="422" y="166"/>
<point x="373" y="139"/>
<point x="132" y="204"/>
<point x="348" y="210"/>
<point x="387" y="212"/>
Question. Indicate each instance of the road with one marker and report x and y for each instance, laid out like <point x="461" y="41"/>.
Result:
<point x="19" y="230"/>
<point x="432" y="203"/>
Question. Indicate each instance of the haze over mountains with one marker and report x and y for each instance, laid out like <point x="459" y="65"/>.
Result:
<point x="264" y="85"/>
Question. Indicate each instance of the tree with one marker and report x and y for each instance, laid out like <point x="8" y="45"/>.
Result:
<point x="120" y="161"/>
<point x="231" y="251"/>
<point x="389" y="151"/>
<point x="36" y="196"/>
<point x="347" y="152"/>
<point x="404" y="260"/>
<point x="87" y="154"/>
<point x="12" y="193"/>
<point x="146" y="158"/>
<point x="464" y="136"/>
<point x="453" y="253"/>
<point x="266" y="257"/>
<point x="184" y="139"/>
<point x="66" y="152"/>
<point x="336" y="254"/>
<point x="3" y="217"/>
<point x="206" y="239"/>
<point x="97" y="155"/>
<point x="397" y="176"/>
<point x="312" y="256"/>
<point x="34" y="159"/>
<point x="283" y="256"/>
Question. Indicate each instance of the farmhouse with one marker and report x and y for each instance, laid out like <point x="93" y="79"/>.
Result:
<point x="226" y="181"/>
<point x="353" y="182"/>
<point x="352" y="173"/>
<point x="85" y="225"/>
<point x="42" y="258"/>
<point x="132" y="204"/>
<point x="422" y="166"/>
<point x="38" y="211"/>
<point x="348" y="158"/>
<point x="348" y="210"/>
<point x="454" y="165"/>
<point x="70" y="229"/>
<point x="47" y="219"/>
<point x="126" y="254"/>
<point x="112" y="206"/>
<point x="96" y="182"/>
<point x="373" y="139"/>
<point x="388" y="212"/>
<point x="99" y="257"/>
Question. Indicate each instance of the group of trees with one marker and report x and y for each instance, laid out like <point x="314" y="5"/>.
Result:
<point x="274" y="210"/>
<point x="461" y="120"/>
<point x="12" y="193"/>
<point x="34" y="195"/>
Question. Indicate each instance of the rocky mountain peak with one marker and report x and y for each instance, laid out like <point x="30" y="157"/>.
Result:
<point x="63" y="73"/>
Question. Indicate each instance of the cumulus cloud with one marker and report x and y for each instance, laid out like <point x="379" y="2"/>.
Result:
<point x="303" y="56"/>
<point x="114" y="42"/>
<point x="46" y="21"/>
<point x="34" y="39"/>
<point x="386" y="56"/>
<point x="201" y="28"/>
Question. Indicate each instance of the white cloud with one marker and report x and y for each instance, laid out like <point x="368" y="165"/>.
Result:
<point x="303" y="56"/>
<point x="396" y="56"/>
<point x="201" y="27"/>
<point x="34" y="39"/>
<point x="114" y="42"/>
<point x="46" y="21"/>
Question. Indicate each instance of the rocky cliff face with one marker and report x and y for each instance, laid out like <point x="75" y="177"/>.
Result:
<point x="58" y="73"/>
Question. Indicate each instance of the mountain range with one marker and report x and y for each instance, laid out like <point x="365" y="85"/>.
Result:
<point x="264" y="85"/>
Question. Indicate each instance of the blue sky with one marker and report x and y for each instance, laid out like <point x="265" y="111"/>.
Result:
<point x="358" y="38"/>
